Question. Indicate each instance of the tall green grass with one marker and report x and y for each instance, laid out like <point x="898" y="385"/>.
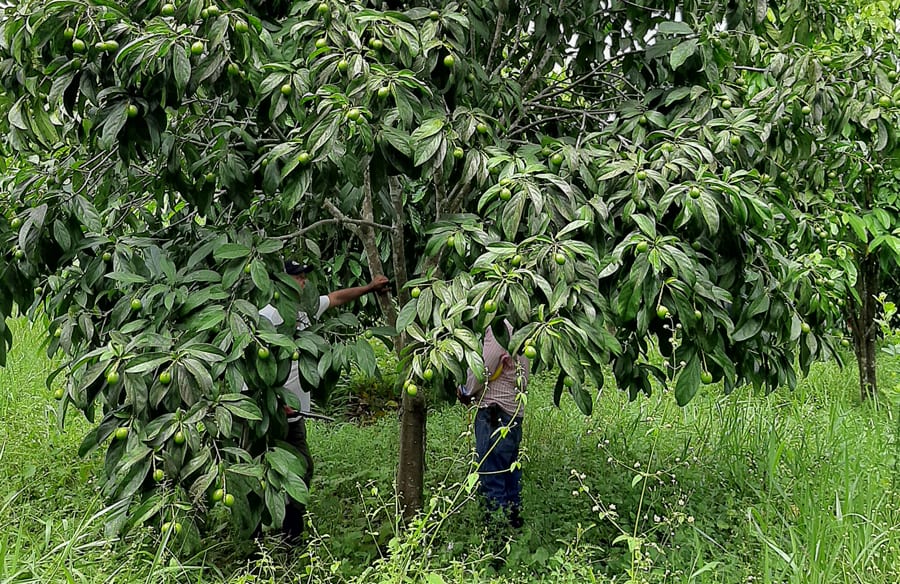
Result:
<point x="788" y="487"/>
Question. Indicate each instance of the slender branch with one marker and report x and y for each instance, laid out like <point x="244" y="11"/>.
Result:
<point x="496" y="40"/>
<point x="338" y="219"/>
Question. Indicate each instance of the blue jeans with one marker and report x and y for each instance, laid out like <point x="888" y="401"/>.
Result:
<point x="500" y="486"/>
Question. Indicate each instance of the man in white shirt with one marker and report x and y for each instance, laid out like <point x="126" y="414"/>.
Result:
<point x="294" y="513"/>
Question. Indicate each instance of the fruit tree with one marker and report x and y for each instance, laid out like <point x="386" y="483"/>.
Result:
<point x="588" y="170"/>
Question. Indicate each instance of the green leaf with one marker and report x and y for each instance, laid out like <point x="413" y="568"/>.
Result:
<point x="673" y="27"/>
<point x="116" y="116"/>
<point x="688" y="381"/>
<point x="245" y="409"/>
<point x="231" y="251"/>
<point x="181" y="67"/>
<point x="682" y="52"/>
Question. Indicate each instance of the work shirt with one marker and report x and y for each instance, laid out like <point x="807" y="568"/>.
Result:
<point x="293" y="384"/>
<point x="499" y="389"/>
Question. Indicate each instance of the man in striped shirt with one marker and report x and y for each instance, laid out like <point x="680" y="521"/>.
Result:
<point x="499" y="407"/>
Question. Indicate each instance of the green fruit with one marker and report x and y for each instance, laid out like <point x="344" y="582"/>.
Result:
<point x="204" y="14"/>
<point x="69" y="33"/>
<point x="15" y="223"/>
<point x="353" y="114"/>
<point x="262" y="353"/>
<point x="19" y="254"/>
<point x="197" y="48"/>
<point x="892" y="76"/>
<point x="415" y="292"/>
<point x="832" y="175"/>
<point x="38" y="290"/>
<point x="568" y="381"/>
<point x="295" y="356"/>
<point x="217" y="495"/>
<point x="131" y="111"/>
<point x="884" y="101"/>
<point x="136" y="304"/>
<point x="642" y="246"/>
<point x="303" y="158"/>
<point x="324" y="9"/>
<point x="490" y="305"/>
<point x="726" y="104"/>
<point x="343" y="65"/>
<point x="449" y="61"/>
<point x="698" y="315"/>
<point x="451" y="241"/>
<point x="110" y="46"/>
<point x="530" y="352"/>
<point x="276" y="295"/>
<point x="505" y="194"/>
<point x="369" y="334"/>
<point x="57" y="333"/>
<point x="662" y="311"/>
<point x="209" y="177"/>
<point x="642" y="120"/>
<point x="121" y="433"/>
<point x="177" y="527"/>
<point x="804" y="327"/>
<point x="178" y="438"/>
<point x="376" y="44"/>
<point x="241" y="26"/>
<point x="248" y="268"/>
<point x="286" y="89"/>
<point x="764" y="178"/>
<point x="735" y="140"/>
<point x="213" y="10"/>
<point x="166" y="526"/>
<point x="383" y="92"/>
<point x="695" y="193"/>
<point x="826" y="60"/>
<point x="158" y="475"/>
<point x="481" y="128"/>
<point x="78" y="45"/>
<point x="516" y="261"/>
<point x="112" y="377"/>
<point x="557" y="159"/>
<point x="559" y="258"/>
<point x="59" y="394"/>
<point x="546" y="152"/>
<point x="806" y="110"/>
<point x="428" y="375"/>
<point x="412" y="390"/>
<point x="641" y="175"/>
<point x="106" y="256"/>
<point x="165" y="378"/>
<point x="458" y="153"/>
<point x="868" y="170"/>
<point x="845" y="343"/>
<point x="706" y="377"/>
<point x="321" y="43"/>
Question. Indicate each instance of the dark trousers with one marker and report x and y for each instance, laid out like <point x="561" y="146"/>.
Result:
<point x="295" y="512"/>
<point x="500" y="486"/>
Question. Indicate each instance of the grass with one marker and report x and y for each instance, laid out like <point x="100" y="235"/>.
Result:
<point x="791" y="487"/>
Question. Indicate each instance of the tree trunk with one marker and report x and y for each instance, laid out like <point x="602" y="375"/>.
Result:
<point x="411" y="471"/>
<point x="864" y="328"/>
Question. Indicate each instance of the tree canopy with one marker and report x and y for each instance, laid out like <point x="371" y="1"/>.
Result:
<point x="698" y="178"/>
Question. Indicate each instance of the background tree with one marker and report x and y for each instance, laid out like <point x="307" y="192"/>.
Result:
<point x="586" y="170"/>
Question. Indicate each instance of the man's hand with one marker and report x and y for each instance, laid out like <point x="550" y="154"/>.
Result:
<point x="379" y="283"/>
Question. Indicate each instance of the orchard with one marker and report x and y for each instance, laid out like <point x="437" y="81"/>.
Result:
<point x="714" y="206"/>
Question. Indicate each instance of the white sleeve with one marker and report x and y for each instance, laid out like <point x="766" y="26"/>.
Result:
<point x="271" y="314"/>
<point x="324" y="303"/>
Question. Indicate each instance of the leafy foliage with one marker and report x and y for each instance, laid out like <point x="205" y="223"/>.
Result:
<point x="616" y="179"/>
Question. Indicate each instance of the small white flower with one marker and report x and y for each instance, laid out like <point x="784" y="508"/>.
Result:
<point x="637" y="465"/>
<point x="612" y="507"/>
<point x="575" y="493"/>
<point x="595" y="508"/>
<point x="656" y="519"/>
<point x="690" y="518"/>
<point x="610" y="459"/>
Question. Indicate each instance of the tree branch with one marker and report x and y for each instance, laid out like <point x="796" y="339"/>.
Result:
<point x="339" y="219"/>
